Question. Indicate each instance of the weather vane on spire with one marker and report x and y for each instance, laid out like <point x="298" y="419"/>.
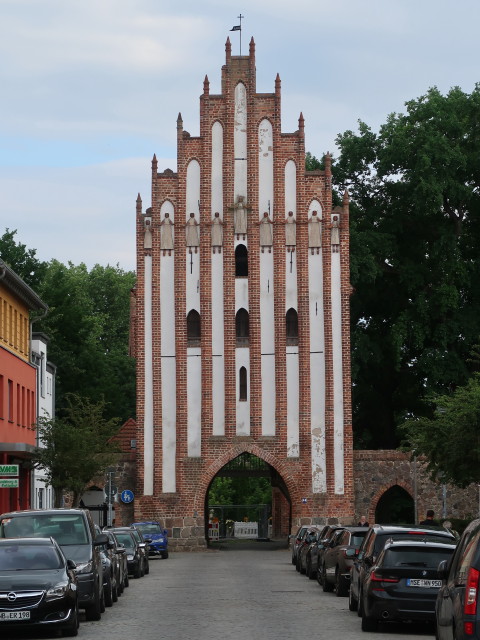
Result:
<point x="238" y="27"/>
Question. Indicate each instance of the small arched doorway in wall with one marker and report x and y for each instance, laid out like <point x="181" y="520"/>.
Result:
<point x="247" y="490"/>
<point x="396" y="506"/>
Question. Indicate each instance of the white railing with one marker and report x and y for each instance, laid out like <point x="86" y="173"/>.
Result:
<point x="246" y="529"/>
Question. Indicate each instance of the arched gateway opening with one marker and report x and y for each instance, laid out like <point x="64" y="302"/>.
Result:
<point x="247" y="499"/>
<point x="395" y="507"/>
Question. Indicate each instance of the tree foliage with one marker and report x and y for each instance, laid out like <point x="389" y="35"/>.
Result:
<point x="415" y="231"/>
<point x="22" y="260"/>
<point x="241" y="490"/>
<point x="76" y="445"/>
<point x="450" y="440"/>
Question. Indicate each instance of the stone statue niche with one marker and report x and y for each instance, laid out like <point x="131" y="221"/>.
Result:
<point x="192" y="237"/>
<point x="314" y="233"/>
<point x="166" y="235"/>
<point x="217" y="233"/>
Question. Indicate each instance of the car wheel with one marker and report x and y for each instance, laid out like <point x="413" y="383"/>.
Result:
<point x="126" y="582"/>
<point x="71" y="630"/>
<point x="115" y="592"/>
<point x="102" y="601"/>
<point x="368" y="623"/>
<point x="352" y="601"/>
<point x="340" y="584"/>
<point x="138" y="570"/>
<point x="165" y="555"/>
<point x="319" y="576"/>
<point x="147" y="568"/>
<point x="94" y="611"/>
<point x="142" y="569"/>
<point x="360" y="604"/>
<point x="297" y="564"/>
<point x="310" y="574"/>
<point x="326" y="586"/>
<point x="108" y="593"/>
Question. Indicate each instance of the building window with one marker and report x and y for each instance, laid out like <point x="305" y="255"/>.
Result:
<point x="193" y="329"/>
<point x="292" y="327"/>
<point x="10" y="400"/>
<point x="241" y="261"/>
<point x="243" y="384"/>
<point x="242" y="328"/>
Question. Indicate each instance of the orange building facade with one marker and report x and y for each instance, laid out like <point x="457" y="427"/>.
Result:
<point x="18" y="401"/>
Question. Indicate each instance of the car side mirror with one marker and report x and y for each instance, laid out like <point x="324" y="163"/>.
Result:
<point x="110" y="545"/>
<point x="165" y="533"/>
<point x="443" y="570"/>
<point x="100" y="539"/>
<point x="71" y="565"/>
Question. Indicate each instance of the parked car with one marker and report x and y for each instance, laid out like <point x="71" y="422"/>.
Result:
<point x="122" y="563"/>
<point x="316" y="552"/>
<point x="457" y="611"/>
<point x="135" y="558"/>
<point x="295" y="541"/>
<point x="402" y="584"/>
<point x="311" y="537"/>
<point x="110" y="571"/>
<point x="158" y="536"/>
<point x="143" y="546"/>
<point x="74" y="531"/>
<point x="38" y="587"/>
<point x="338" y="558"/>
<point x="377" y="536"/>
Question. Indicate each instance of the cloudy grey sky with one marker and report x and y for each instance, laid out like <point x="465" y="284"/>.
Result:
<point x="91" y="89"/>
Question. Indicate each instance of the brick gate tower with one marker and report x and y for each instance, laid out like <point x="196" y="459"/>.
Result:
<point x="242" y="316"/>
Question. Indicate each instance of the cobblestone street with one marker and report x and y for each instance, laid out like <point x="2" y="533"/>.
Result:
<point x="245" y="592"/>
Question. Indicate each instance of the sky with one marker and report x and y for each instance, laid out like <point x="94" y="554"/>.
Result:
<point x="91" y="89"/>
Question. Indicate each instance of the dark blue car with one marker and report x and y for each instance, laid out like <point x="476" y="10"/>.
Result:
<point x="157" y="535"/>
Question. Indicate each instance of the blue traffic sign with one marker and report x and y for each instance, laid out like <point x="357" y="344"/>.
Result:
<point x="127" y="496"/>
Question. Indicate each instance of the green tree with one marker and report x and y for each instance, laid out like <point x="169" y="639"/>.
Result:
<point x="22" y="260"/>
<point x="88" y="326"/>
<point x="415" y="231"/>
<point x="76" y="446"/>
<point x="450" y="440"/>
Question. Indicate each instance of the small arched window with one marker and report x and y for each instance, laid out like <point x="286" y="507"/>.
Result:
<point x="242" y="384"/>
<point x="193" y="329"/>
<point x="242" y="328"/>
<point x="292" y="327"/>
<point x="241" y="261"/>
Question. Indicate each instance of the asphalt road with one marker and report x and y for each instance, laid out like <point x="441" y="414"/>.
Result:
<point x="249" y="592"/>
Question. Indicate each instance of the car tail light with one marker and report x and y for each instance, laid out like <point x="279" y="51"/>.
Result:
<point x="376" y="578"/>
<point x="471" y="592"/>
<point x="468" y="628"/>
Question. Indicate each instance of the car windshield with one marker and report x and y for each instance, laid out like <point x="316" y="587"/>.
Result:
<point x="418" y="557"/>
<point x="137" y="536"/>
<point x="64" y="528"/>
<point x="357" y="539"/>
<point x="126" y="540"/>
<point x="16" y="557"/>
<point x="149" y="528"/>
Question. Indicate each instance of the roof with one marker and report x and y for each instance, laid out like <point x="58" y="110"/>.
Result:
<point x="16" y="285"/>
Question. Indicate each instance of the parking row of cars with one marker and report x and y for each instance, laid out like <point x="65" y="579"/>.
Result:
<point x="54" y="562"/>
<point x="398" y="573"/>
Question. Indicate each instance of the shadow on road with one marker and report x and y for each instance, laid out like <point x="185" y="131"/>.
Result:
<point x="263" y="544"/>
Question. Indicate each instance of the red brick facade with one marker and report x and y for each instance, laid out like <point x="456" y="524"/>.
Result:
<point x="184" y="510"/>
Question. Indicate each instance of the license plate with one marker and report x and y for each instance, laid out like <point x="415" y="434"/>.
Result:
<point x="14" y="615"/>
<point x="420" y="582"/>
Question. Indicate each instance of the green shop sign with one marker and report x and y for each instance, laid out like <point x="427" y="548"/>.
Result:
<point x="8" y="469"/>
<point x="8" y="483"/>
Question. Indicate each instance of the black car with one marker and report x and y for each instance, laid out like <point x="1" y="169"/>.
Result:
<point x="120" y="552"/>
<point x="457" y="612"/>
<point x="74" y="531"/>
<point x="403" y="583"/>
<point x="311" y="537"/>
<point x="296" y="539"/>
<point x="135" y="558"/>
<point x="38" y="587"/>
<point x="338" y="558"/>
<point x="377" y="536"/>
<point x="317" y="550"/>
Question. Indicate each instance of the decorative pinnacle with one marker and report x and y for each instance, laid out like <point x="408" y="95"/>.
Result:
<point x="206" y="86"/>
<point x="179" y="121"/>
<point x="328" y="163"/>
<point x="278" y="84"/>
<point x="228" y="49"/>
<point x="139" y="204"/>
<point x="252" y="48"/>
<point x="346" y="198"/>
<point x="301" y="124"/>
